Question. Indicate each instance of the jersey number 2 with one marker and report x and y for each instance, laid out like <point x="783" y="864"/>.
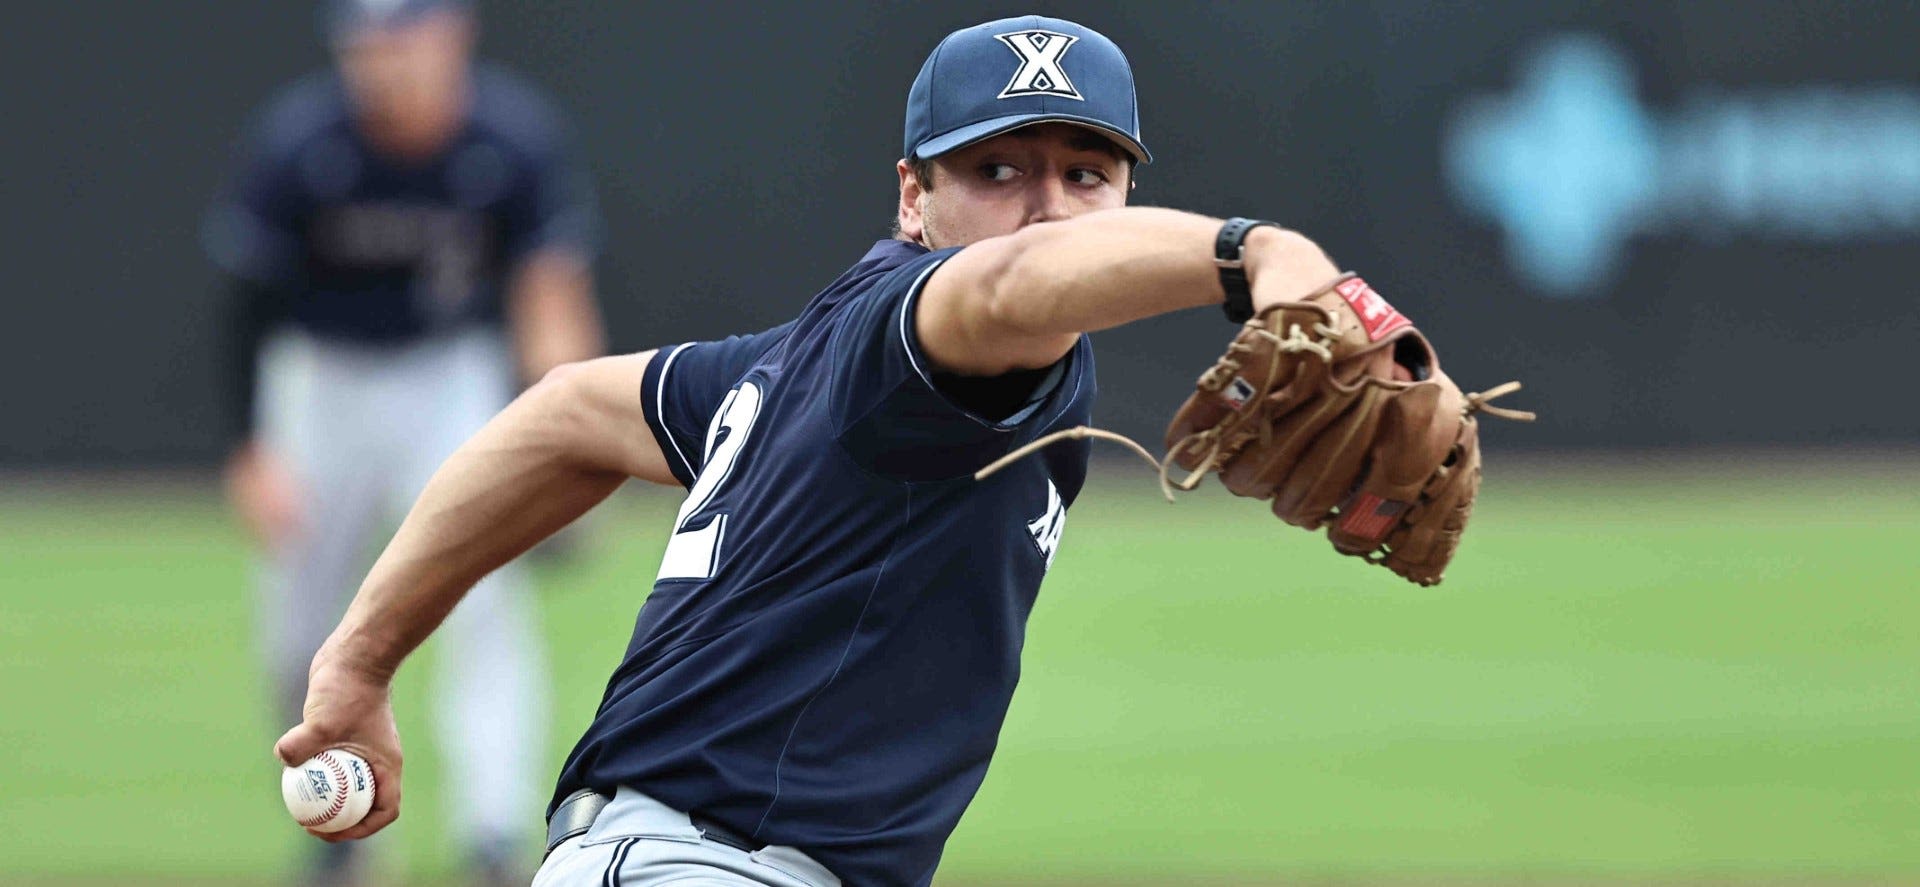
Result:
<point x="694" y="552"/>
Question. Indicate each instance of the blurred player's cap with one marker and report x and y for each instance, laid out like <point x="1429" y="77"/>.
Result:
<point x="988" y="79"/>
<point x="341" y="19"/>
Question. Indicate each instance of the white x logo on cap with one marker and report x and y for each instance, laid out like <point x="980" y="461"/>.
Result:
<point x="1040" y="72"/>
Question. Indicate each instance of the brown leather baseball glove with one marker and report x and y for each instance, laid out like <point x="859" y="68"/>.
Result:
<point x="1307" y="409"/>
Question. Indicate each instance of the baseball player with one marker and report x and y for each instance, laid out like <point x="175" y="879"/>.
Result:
<point x="406" y="238"/>
<point x="817" y="680"/>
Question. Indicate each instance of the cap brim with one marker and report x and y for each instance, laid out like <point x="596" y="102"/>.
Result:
<point x="986" y="129"/>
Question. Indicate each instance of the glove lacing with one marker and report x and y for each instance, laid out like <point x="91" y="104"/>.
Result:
<point x="1215" y="378"/>
<point x="1479" y="403"/>
<point x="1077" y="432"/>
<point x="1219" y="375"/>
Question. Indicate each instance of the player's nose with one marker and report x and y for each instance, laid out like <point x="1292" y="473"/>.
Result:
<point x="1047" y="200"/>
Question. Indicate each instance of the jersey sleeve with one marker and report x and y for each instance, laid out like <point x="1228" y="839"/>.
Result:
<point x="555" y="207"/>
<point x="558" y="212"/>
<point x="893" y="414"/>
<point x="252" y="231"/>
<point x="685" y="384"/>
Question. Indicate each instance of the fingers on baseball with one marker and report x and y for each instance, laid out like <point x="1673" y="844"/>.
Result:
<point x="386" y="796"/>
<point x="298" y="744"/>
<point x="382" y="814"/>
<point x="306" y="740"/>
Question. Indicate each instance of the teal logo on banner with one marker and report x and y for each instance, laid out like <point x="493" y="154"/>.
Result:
<point x="1571" y="164"/>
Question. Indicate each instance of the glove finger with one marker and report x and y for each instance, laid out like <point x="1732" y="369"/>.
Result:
<point x="1406" y="451"/>
<point x="1331" y="465"/>
<point x="1224" y="389"/>
<point x="1261" y="469"/>
<point x="1335" y="459"/>
<point x="1426" y="542"/>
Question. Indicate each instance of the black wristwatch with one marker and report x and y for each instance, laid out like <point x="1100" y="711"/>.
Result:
<point x="1229" y="249"/>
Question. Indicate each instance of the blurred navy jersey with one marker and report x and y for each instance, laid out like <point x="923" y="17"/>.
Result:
<point x="362" y="247"/>
<point x="834" y="636"/>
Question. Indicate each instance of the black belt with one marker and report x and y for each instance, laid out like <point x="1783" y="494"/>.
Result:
<point x="720" y="834"/>
<point x="576" y="814"/>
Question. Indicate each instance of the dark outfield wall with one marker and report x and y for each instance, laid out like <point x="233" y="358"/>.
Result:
<point x="1679" y="223"/>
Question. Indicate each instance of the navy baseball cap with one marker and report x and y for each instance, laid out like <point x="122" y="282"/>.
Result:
<point x="1002" y="75"/>
<point x="341" y="19"/>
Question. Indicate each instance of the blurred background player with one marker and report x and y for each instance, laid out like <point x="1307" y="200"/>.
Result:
<point x="408" y="242"/>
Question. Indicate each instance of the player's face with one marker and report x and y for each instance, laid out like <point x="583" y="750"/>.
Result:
<point x="1042" y="173"/>
<point x="417" y="69"/>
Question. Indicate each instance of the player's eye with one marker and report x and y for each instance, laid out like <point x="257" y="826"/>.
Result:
<point x="998" y="172"/>
<point x="1087" y="177"/>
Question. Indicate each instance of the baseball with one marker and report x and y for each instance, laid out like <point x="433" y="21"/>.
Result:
<point x="330" y="792"/>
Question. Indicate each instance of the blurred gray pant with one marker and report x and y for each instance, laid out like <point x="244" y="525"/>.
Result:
<point x="363" y="428"/>
<point x="640" y="842"/>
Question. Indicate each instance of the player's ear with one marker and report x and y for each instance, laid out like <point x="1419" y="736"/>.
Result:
<point x="907" y="215"/>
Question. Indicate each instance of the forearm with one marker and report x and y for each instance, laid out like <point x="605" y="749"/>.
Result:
<point x="517" y="481"/>
<point x="1104" y="270"/>
<point x="554" y="317"/>
<point x="1024" y="298"/>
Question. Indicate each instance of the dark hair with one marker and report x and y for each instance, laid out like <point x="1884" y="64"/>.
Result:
<point x="922" y="171"/>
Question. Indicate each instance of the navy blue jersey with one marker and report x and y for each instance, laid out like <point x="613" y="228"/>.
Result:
<point x="833" y="639"/>
<point x="363" y="247"/>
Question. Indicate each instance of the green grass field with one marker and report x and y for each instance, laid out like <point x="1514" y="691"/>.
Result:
<point x="1635" y="672"/>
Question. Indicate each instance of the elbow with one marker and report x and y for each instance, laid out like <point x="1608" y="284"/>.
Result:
<point x="562" y="402"/>
<point x="559" y="376"/>
<point x="586" y="416"/>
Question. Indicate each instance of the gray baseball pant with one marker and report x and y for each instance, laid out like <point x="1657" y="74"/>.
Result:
<point x="363" y="428"/>
<point x="640" y="842"/>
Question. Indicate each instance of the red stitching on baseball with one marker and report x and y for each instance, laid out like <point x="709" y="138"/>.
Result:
<point x="339" y="803"/>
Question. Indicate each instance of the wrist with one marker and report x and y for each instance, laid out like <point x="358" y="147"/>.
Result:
<point x="354" y="659"/>
<point x="241" y="448"/>
<point x="1285" y="266"/>
<point x="1230" y="251"/>
<point x="1268" y="247"/>
<point x="243" y="466"/>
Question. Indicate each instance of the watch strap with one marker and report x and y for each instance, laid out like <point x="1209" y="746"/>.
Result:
<point x="1229" y="249"/>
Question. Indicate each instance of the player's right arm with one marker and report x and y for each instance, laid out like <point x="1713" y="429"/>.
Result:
<point x="559" y="449"/>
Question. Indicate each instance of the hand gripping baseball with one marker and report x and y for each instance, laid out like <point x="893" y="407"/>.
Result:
<point x="349" y="709"/>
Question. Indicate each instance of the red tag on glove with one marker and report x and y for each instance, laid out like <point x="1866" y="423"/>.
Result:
<point x="1375" y="314"/>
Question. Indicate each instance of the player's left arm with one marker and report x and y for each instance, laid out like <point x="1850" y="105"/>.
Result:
<point x="552" y="312"/>
<point x="1021" y="300"/>
<point x="553" y="236"/>
<point x="252" y="233"/>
